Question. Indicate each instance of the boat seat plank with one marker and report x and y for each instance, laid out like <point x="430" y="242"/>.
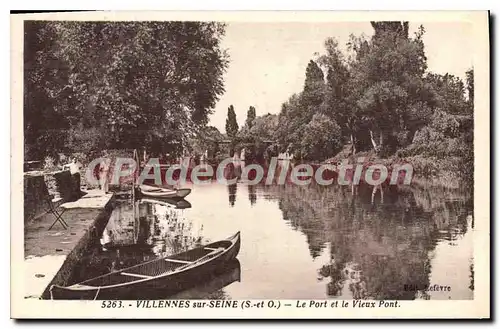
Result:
<point x="177" y="261"/>
<point x="137" y="275"/>
<point x="156" y="269"/>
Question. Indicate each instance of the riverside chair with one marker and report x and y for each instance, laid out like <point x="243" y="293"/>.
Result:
<point x="71" y="183"/>
<point x="39" y="202"/>
<point x="54" y="204"/>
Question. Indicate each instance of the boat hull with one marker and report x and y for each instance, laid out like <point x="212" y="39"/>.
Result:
<point x="166" y="193"/>
<point x="231" y="273"/>
<point x="177" y="203"/>
<point x="156" y="288"/>
<point x="183" y="192"/>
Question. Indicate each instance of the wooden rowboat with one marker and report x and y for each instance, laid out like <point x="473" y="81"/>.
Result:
<point x="177" y="204"/>
<point x="169" y="274"/>
<point x="162" y="192"/>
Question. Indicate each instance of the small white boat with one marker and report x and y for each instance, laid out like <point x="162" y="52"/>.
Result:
<point x="177" y="204"/>
<point x="162" y="192"/>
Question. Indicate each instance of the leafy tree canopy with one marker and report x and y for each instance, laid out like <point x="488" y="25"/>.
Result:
<point x="138" y="83"/>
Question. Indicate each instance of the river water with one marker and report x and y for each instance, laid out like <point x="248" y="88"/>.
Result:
<point x="306" y="242"/>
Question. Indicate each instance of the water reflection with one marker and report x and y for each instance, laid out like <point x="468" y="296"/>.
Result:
<point x="252" y="195"/>
<point x="138" y="232"/>
<point x="307" y="242"/>
<point x="384" y="243"/>
<point x="213" y="287"/>
<point x="232" y="189"/>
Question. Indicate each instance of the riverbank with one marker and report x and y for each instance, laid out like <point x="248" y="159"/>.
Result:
<point x="50" y="255"/>
<point x="427" y="171"/>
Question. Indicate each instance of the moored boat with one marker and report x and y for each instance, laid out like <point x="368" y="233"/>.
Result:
<point x="178" y="204"/>
<point x="162" y="192"/>
<point x="169" y="274"/>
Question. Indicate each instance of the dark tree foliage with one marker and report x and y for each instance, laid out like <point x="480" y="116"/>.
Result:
<point x="393" y="27"/>
<point x="251" y="114"/>
<point x="380" y="97"/>
<point x="231" y="123"/>
<point x="313" y="86"/>
<point x="258" y="140"/>
<point x="124" y="84"/>
<point x="207" y="142"/>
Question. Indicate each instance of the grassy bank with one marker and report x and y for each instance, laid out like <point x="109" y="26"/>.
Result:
<point x="428" y="171"/>
<point x="431" y="171"/>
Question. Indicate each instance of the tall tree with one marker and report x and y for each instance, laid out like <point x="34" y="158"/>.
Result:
<point x="338" y="104"/>
<point x="251" y="114"/>
<point x="292" y="120"/>
<point x="389" y="81"/>
<point x="299" y="110"/>
<point x="313" y="86"/>
<point x="397" y="28"/>
<point x="231" y="123"/>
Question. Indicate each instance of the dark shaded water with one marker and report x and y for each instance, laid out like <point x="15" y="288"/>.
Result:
<point x="306" y="242"/>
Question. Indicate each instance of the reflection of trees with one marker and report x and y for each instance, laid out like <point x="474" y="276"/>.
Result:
<point x="172" y="231"/>
<point x="305" y="217"/>
<point x="232" y="189"/>
<point x="143" y="223"/>
<point x="377" y="245"/>
<point x="252" y="195"/>
<point x="138" y="233"/>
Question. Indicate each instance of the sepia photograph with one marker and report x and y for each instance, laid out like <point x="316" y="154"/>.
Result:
<point x="328" y="164"/>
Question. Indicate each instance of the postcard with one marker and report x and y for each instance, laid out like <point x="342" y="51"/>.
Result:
<point x="250" y="165"/>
